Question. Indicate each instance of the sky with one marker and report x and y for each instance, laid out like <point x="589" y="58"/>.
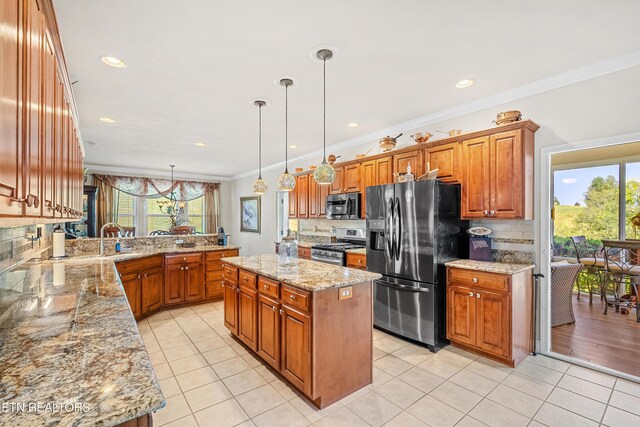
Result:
<point x="570" y="185"/>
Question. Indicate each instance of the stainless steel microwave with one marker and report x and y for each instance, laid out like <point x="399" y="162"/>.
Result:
<point x="343" y="206"/>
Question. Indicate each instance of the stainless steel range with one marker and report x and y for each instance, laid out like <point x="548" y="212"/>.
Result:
<point x="336" y="253"/>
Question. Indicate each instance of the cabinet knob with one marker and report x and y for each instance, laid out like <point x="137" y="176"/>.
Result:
<point x="186" y="268"/>
<point x="138" y="277"/>
<point x="145" y="275"/>
<point x="475" y="280"/>
<point x="486" y="213"/>
<point x="238" y="290"/>
<point x="477" y="295"/>
<point x="184" y="258"/>
<point x="245" y="279"/>
<point x="281" y="311"/>
<point x="266" y="287"/>
<point x="492" y="212"/>
<point x="273" y="308"/>
<point x="292" y="296"/>
<point x="470" y="294"/>
<point x="182" y="268"/>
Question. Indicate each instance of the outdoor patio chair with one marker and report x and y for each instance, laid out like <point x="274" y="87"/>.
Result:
<point x="563" y="276"/>
<point x="592" y="273"/>
<point x="623" y="267"/>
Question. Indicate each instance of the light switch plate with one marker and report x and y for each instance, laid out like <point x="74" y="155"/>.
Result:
<point x="345" y="293"/>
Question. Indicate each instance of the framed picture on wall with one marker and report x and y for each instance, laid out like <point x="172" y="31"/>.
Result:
<point x="250" y="214"/>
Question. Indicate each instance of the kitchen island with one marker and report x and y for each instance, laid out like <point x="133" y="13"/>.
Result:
<point x="311" y="321"/>
<point x="70" y="350"/>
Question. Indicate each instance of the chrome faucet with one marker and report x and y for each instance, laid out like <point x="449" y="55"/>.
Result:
<point x="109" y="224"/>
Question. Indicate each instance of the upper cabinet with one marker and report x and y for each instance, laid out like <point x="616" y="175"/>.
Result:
<point x="41" y="165"/>
<point x="493" y="166"/>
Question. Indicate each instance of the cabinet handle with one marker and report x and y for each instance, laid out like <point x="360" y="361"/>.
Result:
<point x="182" y="268"/>
<point x="293" y="297"/>
<point x="145" y="275"/>
<point x="184" y="258"/>
<point x="138" y="277"/>
<point x="281" y="311"/>
<point x="222" y="285"/>
<point x="273" y="308"/>
<point x="266" y="287"/>
<point x="486" y="213"/>
<point x="475" y="280"/>
<point x="470" y="294"/>
<point x="492" y="213"/>
<point x="245" y="279"/>
<point x="477" y="295"/>
<point x="238" y="290"/>
<point x="186" y="268"/>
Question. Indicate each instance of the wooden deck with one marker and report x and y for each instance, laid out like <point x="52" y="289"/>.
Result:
<point x="612" y="341"/>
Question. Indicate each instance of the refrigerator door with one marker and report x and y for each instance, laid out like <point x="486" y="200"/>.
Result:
<point x="406" y="308"/>
<point x="380" y="250"/>
<point x="414" y="224"/>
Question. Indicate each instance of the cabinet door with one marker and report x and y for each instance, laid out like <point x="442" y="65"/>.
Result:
<point x="384" y="171"/>
<point x="314" y="197"/>
<point x="413" y="159"/>
<point x="48" y="145"/>
<point x="352" y="178"/>
<point x="323" y="193"/>
<point x="248" y="317"/>
<point x="131" y="285"/>
<point x="32" y="106"/>
<point x="10" y="132"/>
<point x="445" y="158"/>
<point x="213" y="289"/>
<point x="493" y="322"/>
<point x="302" y="187"/>
<point x="461" y="314"/>
<point x="269" y="331"/>
<point x="293" y="202"/>
<point x="231" y="306"/>
<point x="194" y="282"/>
<point x="367" y="179"/>
<point x="475" y="180"/>
<point x="295" y="358"/>
<point x="174" y="284"/>
<point x="152" y="284"/>
<point x="58" y="134"/>
<point x="337" y="185"/>
<point x="507" y="172"/>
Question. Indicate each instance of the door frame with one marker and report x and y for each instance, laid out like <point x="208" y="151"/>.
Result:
<point x="543" y="229"/>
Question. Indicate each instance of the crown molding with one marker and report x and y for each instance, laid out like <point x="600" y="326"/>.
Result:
<point x="152" y="173"/>
<point x="547" y="84"/>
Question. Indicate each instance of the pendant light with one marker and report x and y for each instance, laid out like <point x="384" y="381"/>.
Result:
<point x="286" y="181"/>
<point x="324" y="174"/>
<point x="259" y="185"/>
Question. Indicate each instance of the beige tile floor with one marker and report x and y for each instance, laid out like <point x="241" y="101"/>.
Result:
<point x="208" y="379"/>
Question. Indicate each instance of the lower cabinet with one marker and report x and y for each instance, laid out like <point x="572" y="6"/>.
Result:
<point x="151" y="285"/>
<point x="174" y="284"/>
<point x="490" y="313"/>
<point x="296" y="348"/>
<point x="248" y="316"/>
<point x="356" y="260"/>
<point x="131" y="285"/>
<point x="231" y="297"/>
<point x="269" y="330"/>
<point x="193" y="282"/>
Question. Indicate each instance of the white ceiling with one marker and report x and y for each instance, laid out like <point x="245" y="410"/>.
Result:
<point x="193" y="71"/>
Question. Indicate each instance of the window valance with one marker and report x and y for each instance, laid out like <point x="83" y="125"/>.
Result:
<point x="154" y="188"/>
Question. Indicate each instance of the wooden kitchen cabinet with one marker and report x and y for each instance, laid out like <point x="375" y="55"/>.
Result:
<point x="193" y="282"/>
<point x="131" y="285"/>
<point x="304" y="252"/>
<point x="374" y="172"/>
<point x="475" y="181"/>
<point x="269" y="330"/>
<point x="490" y="313"/>
<point x="295" y="350"/>
<point x="355" y="260"/>
<point x="445" y="158"/>
<point x="293" y="201"/>
<point x="184" y="278"/>
<point x="351" y="178"/>
<point x="411" y="158"/>
<point x="314" y="197"/>
<point x="174" y="284"/>
<point x="248" y="315"/>
<point x="337" y="186"/>
<point x="302" y="188"/>
<point x="152" y="287"/>
<point x="231" y="298"/>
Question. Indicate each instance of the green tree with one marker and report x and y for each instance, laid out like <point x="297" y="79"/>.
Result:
<point x="556" y="201"/>
<point x="633" y="207"/>
<point x="599" y="218"/>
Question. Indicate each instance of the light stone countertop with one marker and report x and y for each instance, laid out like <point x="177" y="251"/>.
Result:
<point x="145" y="252"/>
<point x="67" y="334"/>
<point x="305" y="274"/>
<point x="491" y="267"/>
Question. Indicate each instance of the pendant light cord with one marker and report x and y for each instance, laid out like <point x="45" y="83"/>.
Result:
<point x="324" y="111"/>
<point x="286" y="129"/>
<point x="260" y="141"/>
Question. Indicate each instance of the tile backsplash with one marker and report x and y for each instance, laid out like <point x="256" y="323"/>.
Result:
<point x="78" y="247"/>
<point x="18" y="244"/>
<point x="512" y="241"/>
<point x="322" y="229"/>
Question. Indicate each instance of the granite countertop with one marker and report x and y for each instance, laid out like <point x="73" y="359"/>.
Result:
<point x="305" y="274"/>
<point x="359" y="251"/>
<point x="67" y="336"/>
<point x="145" y="252"/>
<point x="303" y="243"/>
<point x="491" y="267"/>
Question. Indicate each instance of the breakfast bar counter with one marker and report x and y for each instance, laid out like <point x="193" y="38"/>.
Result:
<point x="311" y="321"/>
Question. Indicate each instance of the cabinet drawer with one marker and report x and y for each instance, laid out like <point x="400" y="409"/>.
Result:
<point x="213" y="275"/>
<point x="294" y="297"/>
<point x="230" y="273"/>
<point x="248" y="279"/>
<point x="357" y="260"/>
<point x="135" y="265"/>
<point x="213" y="265"/>
<point x="182" y="258"/>
<point x="213" y="289"/>
<point x="479" y="279"/>
<point x="304" y="252"/>
<point x="217" y="255"/>
<point x="268" y="287"/>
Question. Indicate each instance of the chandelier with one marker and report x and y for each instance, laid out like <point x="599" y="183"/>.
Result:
<point x="170" y="205"/>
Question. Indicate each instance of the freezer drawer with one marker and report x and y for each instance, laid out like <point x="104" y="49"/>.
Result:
<point x="408" y="310"/>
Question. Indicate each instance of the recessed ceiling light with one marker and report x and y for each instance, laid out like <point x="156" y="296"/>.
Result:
<point x="114" y="62"/>
<point x="464" y="83"/>
<point x="353" y="124"/>
<point x="200" y="144"/>
<point x="293" y="147"/>
<point x="106" y="120"/>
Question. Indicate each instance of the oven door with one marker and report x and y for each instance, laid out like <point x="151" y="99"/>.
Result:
<point x="334" y="258"/>
<point x="406" y="308"/>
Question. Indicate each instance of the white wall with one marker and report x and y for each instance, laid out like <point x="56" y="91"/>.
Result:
<point x="595" y="108"/>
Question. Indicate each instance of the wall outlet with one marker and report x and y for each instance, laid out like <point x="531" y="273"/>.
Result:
<point x="345" y="293"/>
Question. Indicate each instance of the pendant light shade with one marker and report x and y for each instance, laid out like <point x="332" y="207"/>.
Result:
<point x="286" y="181"/>
<point x="324" y="174"/>
<point x="259" y="185"/>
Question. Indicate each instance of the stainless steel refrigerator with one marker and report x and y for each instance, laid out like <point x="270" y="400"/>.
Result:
<point x="413" y="228"/>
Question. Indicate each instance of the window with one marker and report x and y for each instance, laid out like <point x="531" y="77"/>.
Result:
<point x="193" y="212"/>
<point x="126" y="210"/>
<point x="632" y="205"/>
